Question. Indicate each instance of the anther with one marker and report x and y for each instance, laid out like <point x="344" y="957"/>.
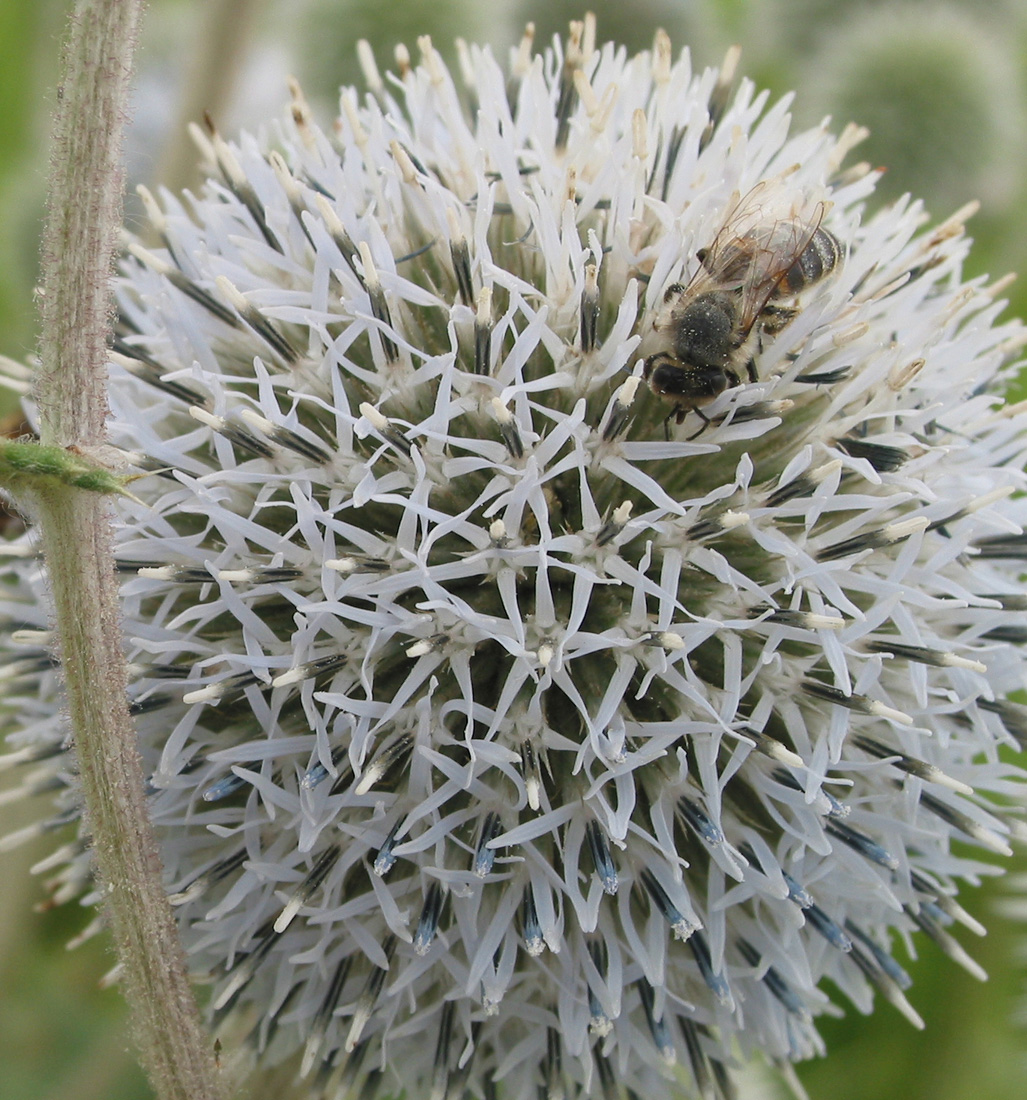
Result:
<point x="390" y="756"/>
<point x="602" y="859"/>
<point x="315" y="876"/>
<point x="861" y="704"/>
<point x="888" y="535"/>
<point x="534" y="943"/>
<point x="385" y="860"/>
<point x="861" y="843"/>
<point x="589" y="309"/>
<point x="368" y="997"/>
<point x="369" y="67"/>
<point x="461" y="257"/>
<point x="385" y="428"/>
<point x="508" y="428"/>
<point x="657" y="1027"/>
<point x="286" y="437"/>
<point x="323" y="1016"/>
<point x="884" y="458"/>
<point x="615" y="524"/>
<point x="484" y="856"/>
<point x="379" y="305"/>
<point x="715" y="980"/>
<point x="483" y="332"/>
<point x="431" y="913"/>
<point x="620" y="409"/>
<point x="256" y="321"/>
<point x="498" y="535"/>
<point x="682" y="927"/>
<point x="337" y="231"/>
<point x="532" y="773"/>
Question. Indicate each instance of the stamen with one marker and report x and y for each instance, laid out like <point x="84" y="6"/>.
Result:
<point x="315" y="876"/>
<point x="257" y="321"/>
<point x="460" y="254"/>
<point x="920" y="768"/>
<point x="861" y="704"/>
<point x="716" y="981"/>
<point x="774" y="981"/>
<point x="615" y="524"/>
<point x="884" y="458"/>
<point x="483" y="333"/>
<point x="484" y="856"/>
<point x="369" y="997"/>
<point x="211" y="877"/>
<point x="590" y="309"/>
<point x="682" y="927"/>
<point x="323" y="1016"/>
<point x="721" y="94"/>
<point x="286" y="437"/>
<point x="379" y="304"/>
<point x="657" y="1027"/>
<point x="861" y="843"/>
<point x="602" y="859"/>
<point x="385" y="860"/>
<point x="431" y="913"/>
<point x="392" y="756"/>
<point x="534" y="943"/>
<point x="620" y="410"/>
<point x="508" y="428"/>
<point x="385" y="428"/>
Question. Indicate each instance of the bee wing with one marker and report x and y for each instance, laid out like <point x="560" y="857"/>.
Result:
<point x="753" y="253"/>
<point x="761" y="238"/>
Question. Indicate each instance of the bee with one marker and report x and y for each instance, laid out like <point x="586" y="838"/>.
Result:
<point x="711" y="326"/>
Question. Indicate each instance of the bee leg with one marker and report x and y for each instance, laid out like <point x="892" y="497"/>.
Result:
<point x="774" y="318"/>
<point x="678" y="414"/>
<point x="706" y="422"/>
<point x="750" y="369"/>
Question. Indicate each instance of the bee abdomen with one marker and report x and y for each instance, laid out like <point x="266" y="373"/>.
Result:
<point x="817" y="260"/>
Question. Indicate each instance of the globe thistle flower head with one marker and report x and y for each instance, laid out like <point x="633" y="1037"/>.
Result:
<point x="520" y="717"/>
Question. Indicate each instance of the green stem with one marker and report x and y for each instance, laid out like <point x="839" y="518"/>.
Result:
<point x="78" y="250"/>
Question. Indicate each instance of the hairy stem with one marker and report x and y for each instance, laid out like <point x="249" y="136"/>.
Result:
<point x="78" y="250"/>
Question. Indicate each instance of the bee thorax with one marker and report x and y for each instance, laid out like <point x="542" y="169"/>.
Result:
<point x="703" y="332"/>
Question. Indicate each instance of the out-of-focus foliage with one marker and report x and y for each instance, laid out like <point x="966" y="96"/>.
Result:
<point x="944" y="85"/>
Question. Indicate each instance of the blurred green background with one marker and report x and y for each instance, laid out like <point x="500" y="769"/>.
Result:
<point x="942" y="87"/>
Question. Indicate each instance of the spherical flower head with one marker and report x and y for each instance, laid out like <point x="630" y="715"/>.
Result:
<point x="575" y="585"/>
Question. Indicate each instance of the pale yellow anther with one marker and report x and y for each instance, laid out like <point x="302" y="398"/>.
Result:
<point x="153" y="211"/>
<point x="848" y="139"/>
<point x="483" y="307"/>
<point x="848" y="335"/>
<point x="369" y="66"/>
<point x="500" y="411"/>
<point x="406" y="166"/>
<point x="639" y="135"/>
<point x="627" y="391"/>
<point x="232" y="294"/>
<point x="661" y="57"/>
<point x="900" y="377"/>
<point x="349" y="109"/>
<point x="432" y="61"/>
<point x="584" y="89"/>
<point x="376" y="419"/>
<point x="367" y="263"/>
<point x="522" y="62"/>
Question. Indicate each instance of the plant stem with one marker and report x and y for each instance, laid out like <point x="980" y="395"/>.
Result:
<point x="78" y="250"/>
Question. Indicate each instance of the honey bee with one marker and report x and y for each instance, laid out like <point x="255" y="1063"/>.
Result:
<point x="711" y="326"/>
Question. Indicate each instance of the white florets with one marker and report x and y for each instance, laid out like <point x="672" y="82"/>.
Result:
<point x="497" y="738"/>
